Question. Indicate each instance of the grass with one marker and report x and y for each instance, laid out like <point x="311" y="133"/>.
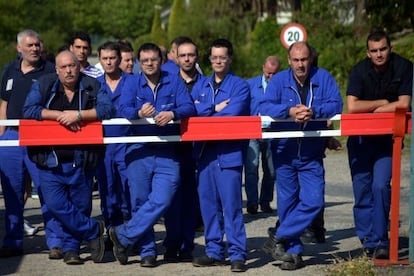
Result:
<point x="353" y="267"/>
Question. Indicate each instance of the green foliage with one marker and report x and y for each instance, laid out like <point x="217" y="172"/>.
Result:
<point x="158" y="35"/>
<point x="125" y="19"/>
<point x="265" y="41"/>
<point x="178" y="21"/>
<point x="394" y="15"/>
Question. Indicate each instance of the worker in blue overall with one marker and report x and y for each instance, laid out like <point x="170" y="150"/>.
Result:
<point x="220" y="163"/>
<point x="183" y="214"/>
<point x="111" y="171"/>
<point x="259" y="149"/>
<point x="379" y="83"/>
<point x="66" y="171"/>
<point x="152" y="167"/>
<point x="303" y="93"/>
<point x="17" y="78"/>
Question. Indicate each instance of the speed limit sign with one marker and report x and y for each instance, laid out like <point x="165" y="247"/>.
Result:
<point x="291" y="33"/>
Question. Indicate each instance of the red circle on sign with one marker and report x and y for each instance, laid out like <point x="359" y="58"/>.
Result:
<point x="291" y="33"/>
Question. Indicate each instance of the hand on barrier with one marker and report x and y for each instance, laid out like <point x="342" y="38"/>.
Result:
<point x="147" y="110"/>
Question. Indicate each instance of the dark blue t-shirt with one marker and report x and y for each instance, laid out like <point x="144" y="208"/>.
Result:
<point x="15" y="86"/>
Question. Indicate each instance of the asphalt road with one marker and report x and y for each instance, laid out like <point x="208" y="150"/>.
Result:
<point x="341" y="242"/>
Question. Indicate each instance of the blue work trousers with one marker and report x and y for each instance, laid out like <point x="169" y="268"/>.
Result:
<point x="259" y="150"/>
<point x="300" y="188"/>
<point x="113" y="186"/>
<point x="14" y="168"/>
<point x="220" y="194"/>
<point x="67" y="192"/>
<point x="370" y="161"/>
<point x="181" y="216"/>
<point x="154" y="176"/>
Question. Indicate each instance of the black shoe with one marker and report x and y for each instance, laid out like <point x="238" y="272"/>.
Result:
<point x="313" y="236"/>
<point x="265" y="207"/>
<point x="292" y="262"/>
<point x="185" y="256"/>
<point x="56" y="253"/>
<point x="8" y="252"/>
<point x="120" y="252"/>
<point x="252" y="209"/>
<point x="274" y="247"/>
<point x="381" y="253"/>
<point x="97" y="245"/>
<point x="271" y="231"/>
<point x="238" y="266"/>
<point x="149" y="261"/>
<point x="171" y="256"/>
<point x="206" y="261"/>
<point x="72" y="258"/>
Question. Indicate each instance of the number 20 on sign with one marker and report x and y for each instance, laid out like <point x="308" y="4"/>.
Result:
<point x="291" y="33"/>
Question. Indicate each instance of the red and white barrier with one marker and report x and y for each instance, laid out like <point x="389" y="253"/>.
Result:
<point x="32" y="133"/>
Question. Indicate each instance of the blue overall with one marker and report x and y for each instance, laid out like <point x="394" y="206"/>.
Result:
<point x="220" y="165"/>
<point x="67" y="185"/>
<point x="183" y="214"/>
<point x="14" y="163"/>
<point x="298" y="162"/>
<point x="258" y="148"/>
<point x="153" y="169"/>
<point x="111" y="172"/>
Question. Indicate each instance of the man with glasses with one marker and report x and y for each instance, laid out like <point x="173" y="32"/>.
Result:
<point x="153" y="169"/>
<point x="302" y="93"/>
<point x="220" y="163"/>
<point x="379" y="83"/>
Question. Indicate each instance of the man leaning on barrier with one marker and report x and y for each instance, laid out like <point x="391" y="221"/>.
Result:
<point x="379" y="83"/>
<point x="302" y="92"/>
<point x="66" y="171"/>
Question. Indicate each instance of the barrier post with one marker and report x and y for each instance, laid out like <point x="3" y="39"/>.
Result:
<point x="399" y="130"/>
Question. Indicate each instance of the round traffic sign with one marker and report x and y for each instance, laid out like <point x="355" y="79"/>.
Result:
<point x="291" y="33"/>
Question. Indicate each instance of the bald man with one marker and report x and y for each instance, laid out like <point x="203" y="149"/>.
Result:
<point x="259" y="147"/>
<point x="302" y="93"/>
<point x="66" y="172"/>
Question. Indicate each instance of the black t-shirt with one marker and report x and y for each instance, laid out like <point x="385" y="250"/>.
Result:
<point x="61" y="102"/>
<point x="367" y="84"/>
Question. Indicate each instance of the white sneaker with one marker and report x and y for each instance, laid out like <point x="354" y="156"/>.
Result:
<point x="29" y="229"/>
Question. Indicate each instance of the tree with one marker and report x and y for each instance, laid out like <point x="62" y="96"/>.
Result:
<point x="158" y="34"/>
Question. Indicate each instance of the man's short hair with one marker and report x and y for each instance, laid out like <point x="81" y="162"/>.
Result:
<point x="125" y="46"/>
<point x="80" y="35"/>
<point x="26" y="33"/>
<point x="222" y="43"/>
<point x="180" y="39"/>
<point x="148" y="46"/>
<point x="110" y="45"/>
<point x="187" y="40"/>
<point x="377" y="34"/>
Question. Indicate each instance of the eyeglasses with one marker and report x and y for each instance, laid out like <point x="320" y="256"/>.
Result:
<point x="220" y="58"/>
<point x="147" y="60"/>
